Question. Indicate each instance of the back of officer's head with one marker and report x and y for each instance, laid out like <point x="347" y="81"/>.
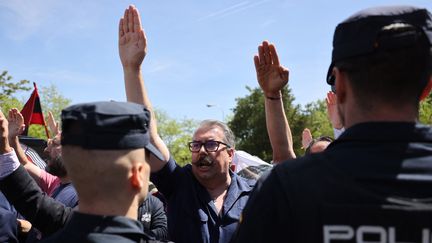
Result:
<point x="386" y="55"/>
<point x="104" y="148"/>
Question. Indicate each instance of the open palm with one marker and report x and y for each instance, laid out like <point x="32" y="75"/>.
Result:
<point x="132" y="40"/>
<point x="16" y="123"/>
<point x="272" y="77"/>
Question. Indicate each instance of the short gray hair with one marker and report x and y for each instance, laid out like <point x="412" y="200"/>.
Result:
<point x="229" y="135"/>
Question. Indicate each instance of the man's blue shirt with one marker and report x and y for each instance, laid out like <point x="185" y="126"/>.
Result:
<point x="66" y="194"/>
<point x="192" y="216"/>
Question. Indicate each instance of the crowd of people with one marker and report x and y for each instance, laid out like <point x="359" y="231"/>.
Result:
<point x="370" y="183"/>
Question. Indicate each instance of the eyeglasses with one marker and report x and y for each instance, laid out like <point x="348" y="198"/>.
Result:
<point x="209" y="146"/>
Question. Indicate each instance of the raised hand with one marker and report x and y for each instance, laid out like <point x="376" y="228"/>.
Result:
<point x="4" y="134"/>
<point x="132" y="40"/>
<point x="272" y="77"/>
<point x="16" y="123"/>
<point x="306" y="138"/>
<point x="332" y="111"/>
<point x="52" y="124"/>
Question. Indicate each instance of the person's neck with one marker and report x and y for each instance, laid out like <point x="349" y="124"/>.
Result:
<point x="355" y="116"/>
<point x="64" y="180"/>
<point x="109" y="208"/>
<point x="217" y="187"/>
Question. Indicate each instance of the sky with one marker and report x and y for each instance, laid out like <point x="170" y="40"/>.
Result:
<point x="200" y="53"/>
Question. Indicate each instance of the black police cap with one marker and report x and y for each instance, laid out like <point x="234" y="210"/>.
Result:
<point x="107" y="126"/>
<point x="357" y="35"/>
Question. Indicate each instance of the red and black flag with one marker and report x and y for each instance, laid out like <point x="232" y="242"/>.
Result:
<point x="32" y="112"/>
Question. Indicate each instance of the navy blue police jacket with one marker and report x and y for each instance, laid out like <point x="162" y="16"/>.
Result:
<point x="373" y="184"/>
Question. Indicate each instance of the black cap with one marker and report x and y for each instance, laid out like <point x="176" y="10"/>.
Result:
<point x="107" y="126"/>
<point x="357" y="36"/>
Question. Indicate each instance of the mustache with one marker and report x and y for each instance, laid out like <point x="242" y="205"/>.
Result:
<point x="204" y="161"/>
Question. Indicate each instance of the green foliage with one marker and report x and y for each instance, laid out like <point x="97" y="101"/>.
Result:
<point x="317" y="121"/>
<point x="9" y="88"/>
<point x="176" y="135"/>
<point x="9" y="103"/>
<point x="37" y="131"/>
<point x="425" y="115"/>
<point x="51" y="100"/>
<point x="249" y="124"/>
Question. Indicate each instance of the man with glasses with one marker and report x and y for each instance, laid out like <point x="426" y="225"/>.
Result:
<point x="205" y="198"/>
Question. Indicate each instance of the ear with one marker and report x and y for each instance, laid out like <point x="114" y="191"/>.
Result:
<point x="341" y="85"/>
<point x="136" y="179"/>
<point x="232" y="167"/>
<point x="231" y="152"/>
<point x="426" y="90"/>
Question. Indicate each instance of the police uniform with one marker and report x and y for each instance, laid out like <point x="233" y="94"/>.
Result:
<point x="373" y="184"/>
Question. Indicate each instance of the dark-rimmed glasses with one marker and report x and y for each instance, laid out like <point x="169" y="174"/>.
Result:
<point x="209" y="146"/>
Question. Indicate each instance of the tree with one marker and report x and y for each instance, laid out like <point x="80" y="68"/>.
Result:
<point x="176" y="135"/>
<point x="8" y="89"/>
<point x="249" y="125"/>
<point x="315" y="115"/>
<point x="425" y="112"/>
<point x="53" y="101"/>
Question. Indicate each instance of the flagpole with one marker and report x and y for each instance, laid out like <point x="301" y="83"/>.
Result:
<point x="46" y="131"/>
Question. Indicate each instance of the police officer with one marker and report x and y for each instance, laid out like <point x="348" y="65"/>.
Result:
<point x="373" y="184"/>
<point x="105" y="147"/>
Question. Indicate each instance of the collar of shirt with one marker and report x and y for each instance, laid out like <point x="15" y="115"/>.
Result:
<point x="386" y="131"/>
<point x="115" y="225"/>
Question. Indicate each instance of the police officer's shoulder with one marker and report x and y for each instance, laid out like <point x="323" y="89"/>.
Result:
<point x="304" y="164"/>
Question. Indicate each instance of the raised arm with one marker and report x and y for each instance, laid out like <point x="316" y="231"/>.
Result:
<point x="132" y="49"/>
<point x="272" y="77"/>
<point x="23" y="192"/>
<point x="16" y="127"/>
<point x="4" y="136"/>
<point x="45" y="180"/>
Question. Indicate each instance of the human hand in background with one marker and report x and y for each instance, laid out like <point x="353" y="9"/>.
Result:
<point x="16" y="123"/>
<point x="332" y="111"/>
<point x="306" y="138"/>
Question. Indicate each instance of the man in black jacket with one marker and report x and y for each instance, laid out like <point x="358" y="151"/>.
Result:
<point x="105" y="146"/>
<point x="373" y="184"/>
